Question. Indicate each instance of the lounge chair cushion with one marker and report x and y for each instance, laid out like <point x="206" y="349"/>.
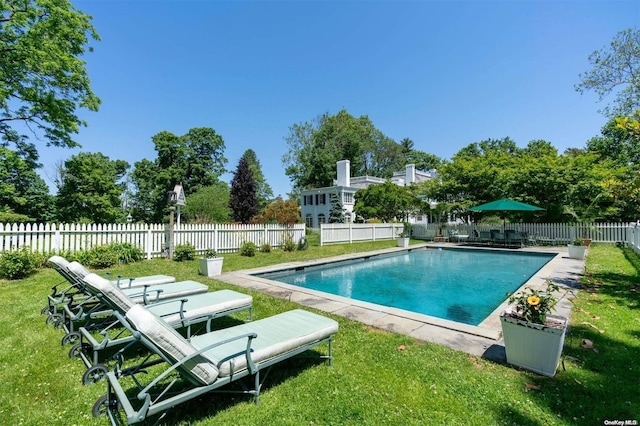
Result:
<point x="81" y="271"/>
<point x="172" y="344"/>
<point x="113" y="294"/>
<point x="167" y="291"/>
<point x="59" y="261"/>
<point x="142" y="281"/>
<point x="207" y="304"/>
<point x="277" y="335"/>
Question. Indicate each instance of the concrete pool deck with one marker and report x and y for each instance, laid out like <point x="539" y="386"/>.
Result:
<point x="484" y="340"/>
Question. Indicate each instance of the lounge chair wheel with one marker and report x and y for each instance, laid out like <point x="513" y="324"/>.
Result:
<point x="54" y="319"/>
<point x="44" y="310"/>
<point x="78" y="349"/>
<point x="101" y="407"/>
<point x="94" y="374"/>
<point x="70" y="338"/>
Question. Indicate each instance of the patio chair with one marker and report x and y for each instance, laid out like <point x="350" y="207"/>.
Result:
<point x="60" y="263"/>
<point x="498" y="238"/>
<point x="208" y="362"/>
<point x="456" y="237"/>
<point x="514" y="238"/>
<point x="82" y="303"/>
<point x="180" y="313"/>
<point x="485" y="237"/>
<point x="60" y="297"/>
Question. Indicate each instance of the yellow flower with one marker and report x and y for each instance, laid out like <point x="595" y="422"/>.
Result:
<point x="533" y="300"/>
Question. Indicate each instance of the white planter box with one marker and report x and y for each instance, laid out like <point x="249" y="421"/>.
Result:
<point x="576" y="252"/>
<point x="403" y="242"/>
<point x="534" y="347"/>
<point x="210" y="267"/>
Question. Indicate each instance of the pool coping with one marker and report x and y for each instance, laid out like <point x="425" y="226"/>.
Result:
<point x="481" y="340"/>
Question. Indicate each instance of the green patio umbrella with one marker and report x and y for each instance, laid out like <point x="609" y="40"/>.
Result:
<point x="505" y="205"/>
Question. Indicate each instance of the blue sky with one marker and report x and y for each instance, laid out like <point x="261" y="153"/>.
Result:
<point x="445" y="74"/>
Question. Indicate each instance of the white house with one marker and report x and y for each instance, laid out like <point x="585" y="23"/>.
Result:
<point x="316" y="202"/>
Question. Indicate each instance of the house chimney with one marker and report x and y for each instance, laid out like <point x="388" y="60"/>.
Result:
<point x="344" y="173"/>
<point x="410" y="174"/>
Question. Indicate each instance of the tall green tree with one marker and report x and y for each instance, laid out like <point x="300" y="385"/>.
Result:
<point x="315" y="147"/>
<point x="407" y="145"/>
<point x="422" y="160"/>
<point x="243" y="200"/>
<point x="209" y="205"/>
<point x="195" y="160"/>
<point x="386" y="201"/>
<point x="264" y="191"/>
<point x="616" y="144"/>
<point x="90" y="189"/>
<point x="43" y="78"/>
<point x="616" y="69"/>
<point x="145" y="196"/>
<point x="337" y="211"/>
<point x="22" y="191"/>
<point x="583" y="182"/>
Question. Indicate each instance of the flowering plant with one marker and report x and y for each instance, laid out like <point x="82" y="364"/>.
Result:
<point x="534" y="305"/>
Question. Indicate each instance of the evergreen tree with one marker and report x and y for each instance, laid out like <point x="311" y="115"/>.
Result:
<point x="243" y="199"/>
<point x="336" y="215"/>
<point x="264" y="191"/>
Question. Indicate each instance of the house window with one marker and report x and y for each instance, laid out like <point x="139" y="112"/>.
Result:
<point x="308" y="200"/>
<point x="347" y="198"/>
<point x="321" y="219"/>
<point x="308" y="220"/>
<point x="323" y="199"/>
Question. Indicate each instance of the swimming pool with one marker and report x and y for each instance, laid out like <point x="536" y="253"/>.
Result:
<point x="455" y="284"/>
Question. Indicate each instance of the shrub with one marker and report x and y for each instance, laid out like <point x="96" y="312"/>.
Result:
<point x="184" y="252"/>
<point x="265" y="248"/>
<point x="209" y="254"/>
<point x="18" y="264"/>
<point x="248" y="249"/>
<point x="99" y="257"/>
<point x="288" y="244"/>
<point x="126" y="252"/>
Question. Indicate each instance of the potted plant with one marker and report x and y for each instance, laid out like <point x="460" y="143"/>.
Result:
<point x="210" y="263"/>
<point x="405" y="235"/>
<point x="533" y="339"/>
<point x="577" y="249"/>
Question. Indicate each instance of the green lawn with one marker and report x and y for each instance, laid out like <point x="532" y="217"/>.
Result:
<point x="372" y="381"/>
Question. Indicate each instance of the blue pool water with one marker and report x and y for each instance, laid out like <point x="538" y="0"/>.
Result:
<point x="458" y="285"/>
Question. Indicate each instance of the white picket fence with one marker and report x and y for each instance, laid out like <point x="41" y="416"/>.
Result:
<point x="152" y="239"/>
<point x="331" y="233"/>
<point x="633" y="237"/>
<point x="552" y="233"/>
<point x="556" y="233"/>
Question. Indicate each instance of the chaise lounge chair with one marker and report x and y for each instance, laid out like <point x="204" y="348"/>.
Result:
<point x="177" y="313"/>
<point x="62" y="297"/>
<point x="80" y="303"/>
<point x="207" y="362"/>
<point x="456" y="237"/>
